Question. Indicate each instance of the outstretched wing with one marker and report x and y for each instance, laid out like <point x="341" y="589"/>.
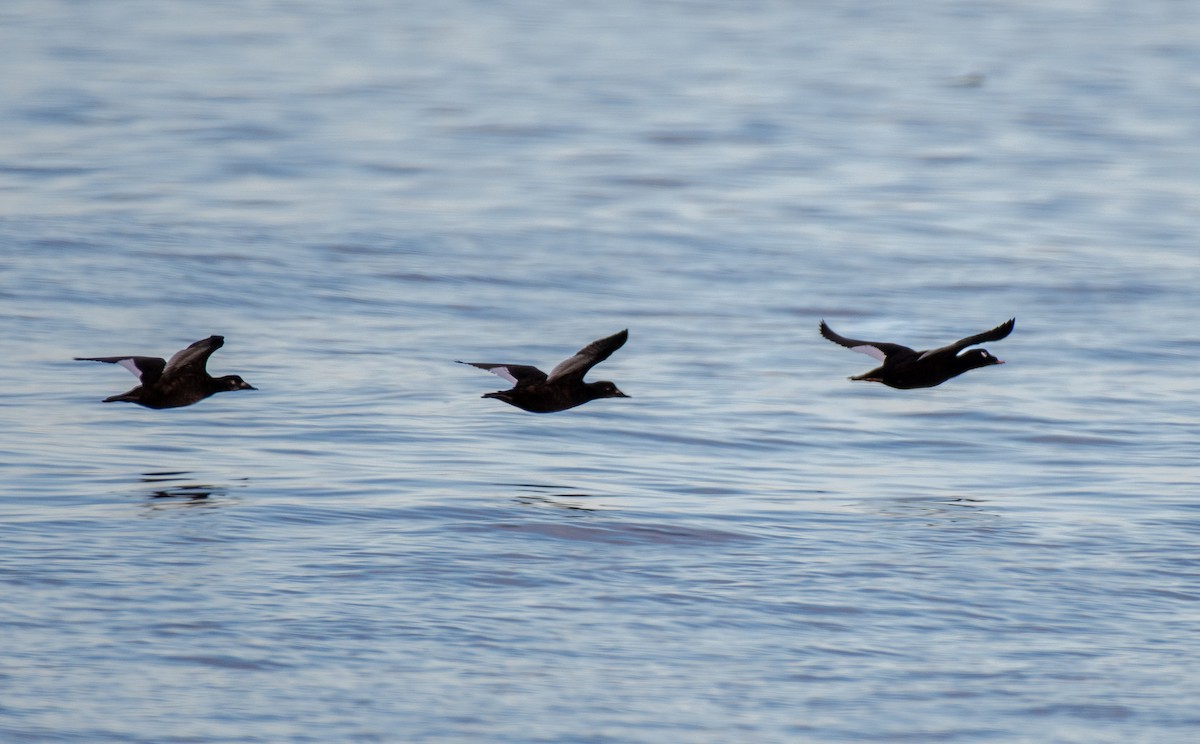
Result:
<point x="517" y="374"/>
<point x="876" y="349"/>
<point x="997" y="333"/>
<point x="193" y="359"/>
<point x="146" y="369"/>
<point x="589" y="356"/>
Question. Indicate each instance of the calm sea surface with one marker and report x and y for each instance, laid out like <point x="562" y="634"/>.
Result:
<point x="751" y="548"/>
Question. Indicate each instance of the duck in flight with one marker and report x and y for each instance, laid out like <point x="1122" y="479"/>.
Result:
<point x="181" y="381"/>
<point x="535" y="391"/>
<point x="905" y="368"/>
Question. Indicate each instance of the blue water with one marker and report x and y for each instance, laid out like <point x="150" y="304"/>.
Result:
<point x="752" y="548"/>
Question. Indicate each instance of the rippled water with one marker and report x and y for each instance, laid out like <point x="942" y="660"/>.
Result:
<point x="752" y="548"/>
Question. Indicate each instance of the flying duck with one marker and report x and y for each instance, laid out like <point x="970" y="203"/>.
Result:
<point x="904" y="368"/>
<point x="535" y="391"/>
<point x="179" y="382"/>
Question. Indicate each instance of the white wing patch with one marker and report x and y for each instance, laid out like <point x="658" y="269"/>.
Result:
<point x="503" y="373"/>
<point x="131" y="365"/>
<point x="871" y="351"/>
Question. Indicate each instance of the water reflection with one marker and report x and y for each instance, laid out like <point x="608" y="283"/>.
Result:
<point x="179" y="486"/>
<point x="941" y="509"/>
<point x="558" y="497"/>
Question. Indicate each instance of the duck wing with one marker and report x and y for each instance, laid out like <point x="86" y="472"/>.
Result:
<point x="997" y="333"/>
<point x="193" y="359"/>
<point x="589" y="356"/>
<point x="877" y="349"/>
<point x="518" y="374"/>
<point x="148" y="370"/>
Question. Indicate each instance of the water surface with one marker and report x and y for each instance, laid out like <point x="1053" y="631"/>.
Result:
<point x="750" y="549"/>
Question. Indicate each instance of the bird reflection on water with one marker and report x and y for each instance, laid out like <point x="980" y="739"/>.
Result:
<point x="552" y="496"/>
<point x="180" y="486"/>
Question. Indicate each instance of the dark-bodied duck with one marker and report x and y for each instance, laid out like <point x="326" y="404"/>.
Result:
<point x="535" y="391"/>
<point x="905" y="369"/>
<point x="181" y="381"/>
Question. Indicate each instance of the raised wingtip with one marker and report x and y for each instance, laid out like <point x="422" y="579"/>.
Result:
<point x="617" y="340"/>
